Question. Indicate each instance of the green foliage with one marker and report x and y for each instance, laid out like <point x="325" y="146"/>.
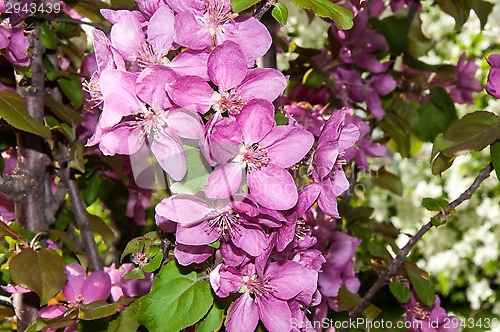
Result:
<point x="240" y="5"/>
<point x="422" y="286"/>
<point x="71" y="86"/>
<point x="13" y="111"/>
<point x="495" y="157"/>
<point x="280" y="13"/>
<point x="473" y="132"/>
<point x="434" y="204"/>
<point x="212" y="320"/>
<point x="176" y="300"/>
<point x="387" y="180"/>
<point x="460" y="10"/>
<point x="395" y="31"/>
<point x="41" y="271"/>
<point x="324" y="8"/>
<point x="197" y="173"/>
<point x="400" y="291"/>
<point x="349" y="301"/>
<point x="101" y="309"/>
<point x="126" y="321"/>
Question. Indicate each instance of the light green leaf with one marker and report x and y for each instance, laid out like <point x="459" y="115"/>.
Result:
<point x="324" y="8"/>
<point x="126" y="321"/>
<point x="434" y="204"/>
<point x="423" y="288"/>
<point x="197" y="173"/>
<point x="13" y="111"/>
<point x="40" y="271"/>
<point x="72" y="88"/>
<point x="280" y="13"/>
<point x="176" y="301"/>
<point x="212" y="321"/>
<point x="400" y="291"/>
<point x="240" y="5"/>
<point x="101" y="309"/>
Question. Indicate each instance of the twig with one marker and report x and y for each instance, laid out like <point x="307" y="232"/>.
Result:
<point x="55" y="201"/>
<point x="13" y="187"/>
<point x="401" y="256"/>
<point x="264" y="8"/>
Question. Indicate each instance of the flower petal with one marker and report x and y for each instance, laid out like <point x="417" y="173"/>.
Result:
<point x="191" y="92"/>
<point x="190" y="63"/>
<point x="161" y="30"/>
<point x="184" y="209"/>
<point x="96" y="287"/>
<point x="264" y="83"/>
<point x="289" y="278"/>
<point x="224" y="181"/>
<point x="273" y="187"/>
<point x="186" y="124"/>
<point x="244" y="315"/>
<point x="274" y="313"/>
<point x="226" y="66"/>
<point x="169" y="152"/>
<point x="127" y="37"/>
<point x="150" y="86"/>
<point x="124" y="138"/>
<point x="191" y="32"/>
<point x="192" y="254"/>
<point x="256" y="120"/>
<point x="196" y="235"/>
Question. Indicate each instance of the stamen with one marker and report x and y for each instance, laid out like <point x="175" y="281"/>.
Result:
<point x="254" y="156"/>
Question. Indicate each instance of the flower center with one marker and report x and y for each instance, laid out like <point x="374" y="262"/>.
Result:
<point x="302" y="229"/>
<point x="254" y="156"/>
<point x="421" y="312"/>
<point x="150" y="121"/>
<point x="94" y="89"/>
<point x="257" y="286"/>
<point x="231" y="102"/>
<point x="225" y="221"/>
<point x="149" y="56"/>
<point x="217" y="13"/>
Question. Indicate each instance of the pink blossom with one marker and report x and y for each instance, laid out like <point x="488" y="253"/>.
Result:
<point x="465" y="82"/>
<point x="493" y="84"/>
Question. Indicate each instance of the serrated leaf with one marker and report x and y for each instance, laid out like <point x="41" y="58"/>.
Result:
<point x="423" y="288"/>
<point x="280" y="13"/>
<point x="176" y="301"/>
<point x="324" y="8"/>
<point x="40" y="271"/>
<point x="13" y="111"/>
<point x="240" y="5"/>
<point x="212" y="321"/>
<point x="197" y="173"/>
<point x="434" y="204"/>
<point x="126" y="321"/>
<point x="400" y="291"/>
<point x="495" y="157"/>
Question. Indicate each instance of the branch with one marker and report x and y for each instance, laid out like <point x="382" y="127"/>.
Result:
<point x="401" y="256"/>
<point x="13" y="187"/>
<point x="78" y="22"/>
<point x="264" y="8"/>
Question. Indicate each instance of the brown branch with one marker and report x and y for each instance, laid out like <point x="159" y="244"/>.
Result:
<point x="13" y="187"/>
<point x="78" y="22"/>
<point x="264" y="8"/>
<point x="82" y="219"/>
<point x="401" y="256"/>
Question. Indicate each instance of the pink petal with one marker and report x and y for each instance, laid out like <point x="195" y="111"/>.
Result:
<point x="191" y="32"/>
<point x="169" y="152"/>
<point x="231" y="254"/>
<point x="289" y="278"/>
<point x="192" y="92"/>
<point x="196" y="235"/>
<point x="117" y="16"/>
<point x="274" y="313"/>
<point x="76" y="276"/>
<point x="287" y="145"/>
<point x="151" y="84"/>
<point x="244" y="315"/>
<point x="184" y="209"/>
<point x="161" y="30"/>
<point x="251" y="239"/>
<point x="149" y="7"/>
<point x="256" y="120"/>
<point x="273" y="187"/>
<point x="186" y="123"/>
<point x="52" y="311"/>
<point x="124" y="138"/>
<point x="264" y="83"/>
<point x="127" y="37"/>
<point x="348" y="136"/>
<point x="226" y="66"/>
<point x="96" y="287"/>
<point x="192" y="254"/>
<point x="224" y="181"/>
<point x="192" y="6"/>
<point x="190" y="63"/>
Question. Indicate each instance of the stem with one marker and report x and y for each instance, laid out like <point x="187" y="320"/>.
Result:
<point x="264" y="8"/>
<point x="401" y="256"/>
<point x="78" y="22"/>
<point x="12" y="187"/>
<point x="82" y="219"/>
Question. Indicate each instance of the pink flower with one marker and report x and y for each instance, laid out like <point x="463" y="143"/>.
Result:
<point x="265" y="151"/>
<point x="15" y="45"/>
<point x="199" y="24"/>
<point x="429" y="319"/>
<point x="493" y="84"/>
<point x="465" y="82"/>
<point x="237" y="84"/>
<point x="264" y="296"/>
<point x="127" y="287"/>
<point x="307" y="115"/>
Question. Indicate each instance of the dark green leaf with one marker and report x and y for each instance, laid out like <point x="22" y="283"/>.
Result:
<point x="458" y="9"/>
<point x="13" y="111"/>
<point x="101" y="309"/>
<point x="434" y="204"/>
<point x="324" y="8"/>
<point x="389" y="181"/>
<point x="155" y="255"/>
<point x="423" y="288"/>
<point x="40" y="271"/>
<point x="63" y="112"/>
<point x="280" y="13"/>
<point x="72" y="88"/>
<point x="241" y="5"/>
<point x="400" y="291"/>
<point x="495" y="157"/>
<point x="100" y="227"/>
<point x="395" y="30"/>
<point x="47" y="37"/>
<point x="441" y="164"/>
<point x="349" y="301"/>
<point x="482" y="9"/>
<point x="176" y="301"/>
<point x="314" y="79"/>
<point x="399" y="130"/>
<point x="126" y="321"/>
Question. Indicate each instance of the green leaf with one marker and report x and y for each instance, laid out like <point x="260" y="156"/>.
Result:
<point x="400" y="291"/>
<point x="139" y="244"/>
<point x="434" y="204"/>
<point x="349" y="301"/>
<point x="495" y="157"/>
<point x="126" y="321"/>
<point x="324" y="8"/>
<point x="280" y="13"/>
<point x="63" y="112"/>
<point x="314" y="79"/>
<point x="458" y="9"/>
<point x="40" y="271"/>
<point x="389" y="181"/>
<point x="197" y="173"/>
<point x="423" y="288"/>
<point x="6" y="230"/>
<point x="395" y="30"/>
<point x="482" y="9"/>
<point x="176" y="301"/>
<point x="47" y="37"/>
<point x="399" y="130"/>
<point x="240" y="5"/>
<point x="212" y="321"/>
<point x="135" y="273"/>
<point x="155" y="255"/>
<point x="13" y="111"/>
<point x="100" y="227"/>
<point x="72" y="88"/>
<point x="473" y="132"/>
<point x="441" y="164"/>
<point x="101" y="309"/>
